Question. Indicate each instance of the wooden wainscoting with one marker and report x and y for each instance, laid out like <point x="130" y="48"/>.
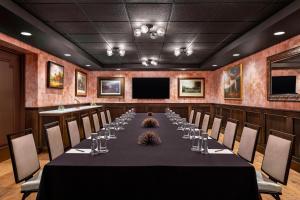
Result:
<point x="283" y="120"/>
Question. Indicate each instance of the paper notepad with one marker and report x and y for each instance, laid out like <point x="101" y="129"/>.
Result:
<point x="224" y="151"/>
<point x="79" y="151"/>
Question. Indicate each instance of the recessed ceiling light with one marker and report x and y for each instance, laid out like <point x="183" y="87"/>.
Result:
<point x="67" y="54"/>
<point x="88" y="65"/>
<point x="118" y="69"/>
<point x="214" y="65"/>
<point x="279" y="33"/>
<point x="26" y="33"/>
<point x="236" y="55"/>
<point x="182" y="69"/>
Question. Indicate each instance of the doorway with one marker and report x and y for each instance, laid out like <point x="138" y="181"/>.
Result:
<point x="12" y="101"/>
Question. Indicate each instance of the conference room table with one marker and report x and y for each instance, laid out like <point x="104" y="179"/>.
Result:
<point x="132" y="171"/>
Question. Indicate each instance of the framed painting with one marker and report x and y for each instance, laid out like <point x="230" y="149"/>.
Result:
<point x="191" y="87"/>
<point x="233" y="82"/>
<point x="80" y="83"/>
<point x="110" y="87"/>
<point x="55" y="75"/>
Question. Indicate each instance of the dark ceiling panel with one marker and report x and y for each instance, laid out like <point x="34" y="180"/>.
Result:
<point x="116" y="37"/>
<point x="149" y="12"/>
<point x="205" y="26"/>
<point x="86" y="37"/>
<point x="105" y="12"/>
<point x="113" y="27"/>
<point x="56" y="12"/>
<point x="209" y="27"/>
<point x="74" y="27"/>
<point x="186" y="37"/>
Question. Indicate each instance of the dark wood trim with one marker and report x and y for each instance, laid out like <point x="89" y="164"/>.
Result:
<point x="189" y="78"/>
<point x="279" y="57"/>
<point x="76" y="78"/>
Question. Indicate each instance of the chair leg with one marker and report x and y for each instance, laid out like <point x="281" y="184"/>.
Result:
<point x="276" y="196"/>
<point x="25" y="195"/>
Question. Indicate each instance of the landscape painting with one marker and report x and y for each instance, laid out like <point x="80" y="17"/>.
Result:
<point x="191" y="87"/>
<point x="80" y="83"/>
<point x="233" y="82"/>
<point x="110" y="87"/>
<point x="55" y="75"/>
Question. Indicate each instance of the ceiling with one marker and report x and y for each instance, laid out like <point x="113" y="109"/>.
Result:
<point x="207" y="26"/>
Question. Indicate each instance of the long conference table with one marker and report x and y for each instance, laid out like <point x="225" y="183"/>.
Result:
<point x="131" y="171"/>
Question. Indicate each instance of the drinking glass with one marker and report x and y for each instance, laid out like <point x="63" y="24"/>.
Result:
<point x="94" y="144"/>
<point x="102" y="142"/>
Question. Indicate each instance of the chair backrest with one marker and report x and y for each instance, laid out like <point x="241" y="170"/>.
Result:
<point x="215" y="130"/>
<point x="54" y="140"/>
<point x="103" y="119"/>
<point x="191" y="116"/>
<point x="96" y="121"/>
<point x="86" y="123"/>
<point x="73" y="131"/>
<point x="108" y="116"/>
<point x="197" y="119"/>
<point x="230" y="133"/>
<point x="248" y="142"/>
<point x="205" y="122"/>
<point x="23" y="153"/>
<point x="278" y="155"/>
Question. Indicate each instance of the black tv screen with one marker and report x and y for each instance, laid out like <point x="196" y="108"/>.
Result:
<point x="283" y="84"/>
<point x="150" y="88"/>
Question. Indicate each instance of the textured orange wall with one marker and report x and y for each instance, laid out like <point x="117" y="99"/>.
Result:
<point x="255" y="78"/>
<point x="254" y="75"/>
<point x="174" y="75"/>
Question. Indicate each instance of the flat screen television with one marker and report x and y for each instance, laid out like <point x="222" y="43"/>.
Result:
<point x="283" y="84"/>
<point x="150" y="88"/>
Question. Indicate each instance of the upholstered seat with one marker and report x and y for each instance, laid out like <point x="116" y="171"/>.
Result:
<point x="276" y="163"/>
<point x="73" y="131"/>
<point x="32" y="184"/>
<point x="205" y="122"/>
<point x="266" y="185"/>
<point x="24" y="159"/>
<point x="230" y="133"/>
<point x="54" y="140"/>
<point x="87" y="128"/>
<point x="215" y="130"/>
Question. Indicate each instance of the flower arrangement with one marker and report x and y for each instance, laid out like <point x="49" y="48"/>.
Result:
<point x="150" y="123"/>
<point x="149" y="138"/>
<point x="150" y="114"/>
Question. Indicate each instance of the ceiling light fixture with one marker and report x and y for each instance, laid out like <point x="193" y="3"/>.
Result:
<point x="214" y="65"/>
<point x="279" y="33"/>
<point x="150" y="29"/>
<point x="88" y="65"/>
<point x="26" y="33"/>
<point x="149" y="61"/>
<point x="67" y="54"/>
<point x="183" y="50"/>
<point x="236" y="55"/>
<point x="115" y="50"/>
<point x="118" y="69"/>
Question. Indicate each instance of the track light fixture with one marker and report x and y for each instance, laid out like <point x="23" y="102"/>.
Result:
<point x="183" y="50"/>
<point x="149" y="61"/>
<point x="115" y="50"/>
<point x="150" y="29"/>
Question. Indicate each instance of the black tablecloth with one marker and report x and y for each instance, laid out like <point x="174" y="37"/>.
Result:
<point x="166" y="171"/>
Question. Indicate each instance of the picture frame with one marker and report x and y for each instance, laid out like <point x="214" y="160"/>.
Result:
<point x="55" y="75"/>
<point x="191" y="87"/>
<point x="110" y="87"/>
<point x="233" y="82"/>
<point x="80" y="83"/>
